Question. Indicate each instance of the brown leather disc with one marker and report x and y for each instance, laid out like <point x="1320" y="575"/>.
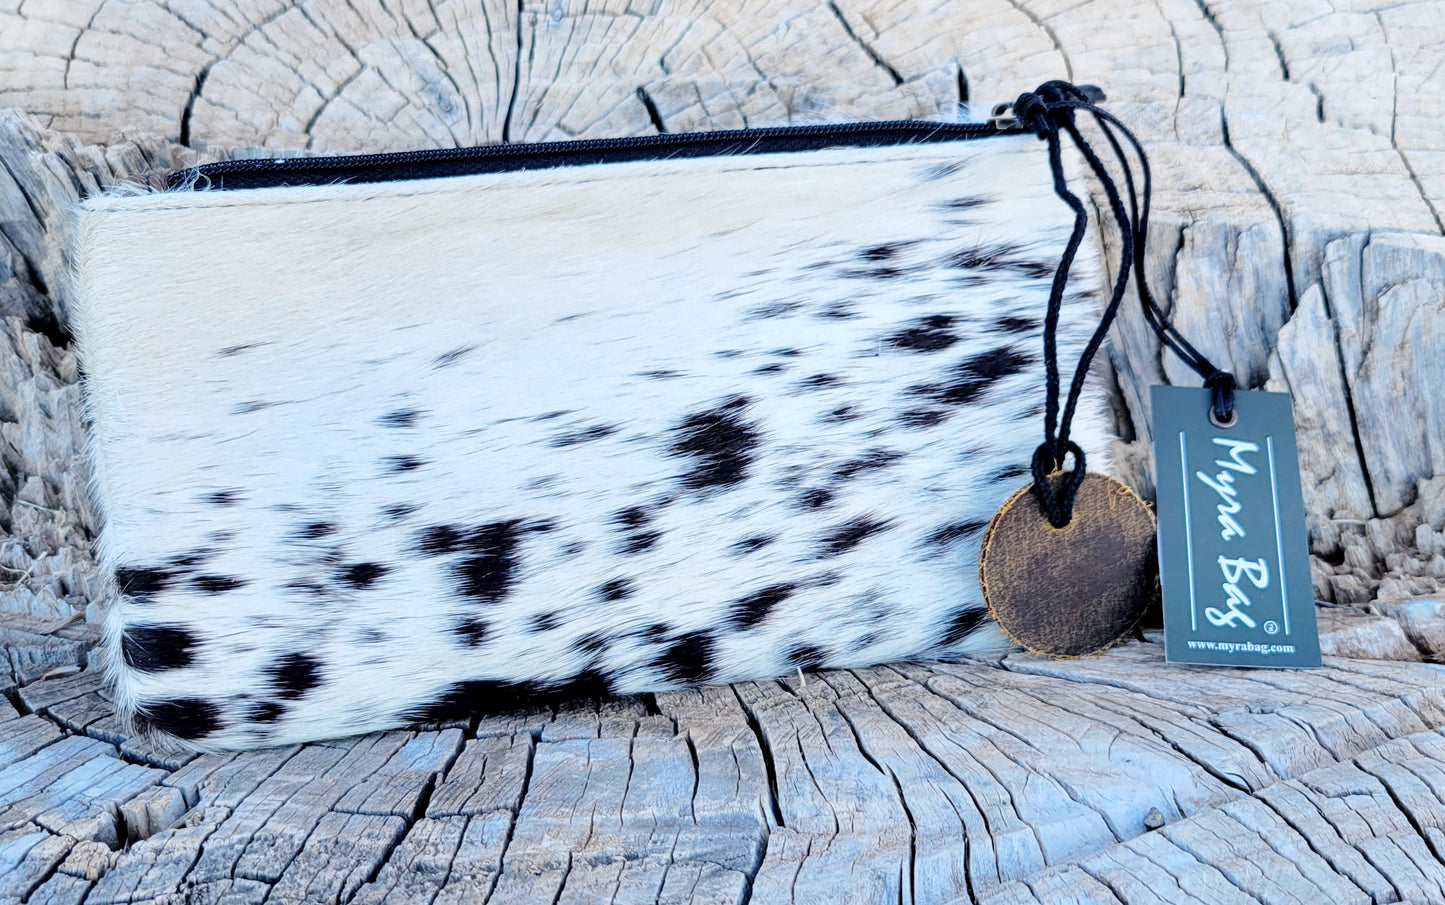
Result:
<point x="1073" y="590"/>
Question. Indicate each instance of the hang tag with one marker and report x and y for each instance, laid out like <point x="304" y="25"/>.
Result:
<point x="1233" y="552"/>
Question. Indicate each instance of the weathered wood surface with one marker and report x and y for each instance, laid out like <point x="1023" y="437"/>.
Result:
<point x="1112" y="780"/>
<point x="1299" y="153"/>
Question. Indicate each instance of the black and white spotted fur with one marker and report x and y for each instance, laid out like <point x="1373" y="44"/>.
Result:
<point x="378" y="454"/>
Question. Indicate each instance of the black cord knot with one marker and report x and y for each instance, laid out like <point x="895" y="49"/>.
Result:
<point x="1033" y="112"/>
<point x="1051" y="106"/>
<point x="1221" y="397"/>
<point x="1058" y="505"/>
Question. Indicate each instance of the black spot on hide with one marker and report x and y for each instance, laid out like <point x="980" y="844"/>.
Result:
<point x="587" y="435"/>
<point x="450" y="358"/>
<point x="923" y="417"/>
<point x="1013" y="471"/>
<point x="996" y="364"/>
<point x="1002" y="258"/>
<point x="237" y="350"/>
<point x="886" y="252"/>
<point x="616" y="589"/>
<point x="222" y="498"/>
<point x="964" y="623"/>
<point x="363" y="575"/>
<point x="140" y="584"/>
<point x="750" y="544"/>
<point x="754" y="608"/>
<point x="957" y="531"/>
<point x="400" y="418"/>
<point x="633" y="517"/>
<point x="930" y="334"/>
<point x="878" y="273"/>
<point x="187" y="718"/>
<point x="719" y="442"/>
<point x="850" y="534"/>
<point x="439" y="540"/>
<point x="974" y="376"/>
<point x="543" y="622"/>
<point x="816" y="498"/>
<point x="153" y="648"/>
<point x="688" y="659"/>
<point x="806" y="656"/>
<point x="474" y="631"/>
<point x="1017" y="324"/>
<point x="774" y="368"/>
<point x="399" y="511"/>
<point x="870" y="461"/>
<point x="487" y="573"/>
<point x="821" y="381"/>
<point x="640" y="542"/>
<point x="590" y="643"/>
<point x="968" y="202"/>
<point x="775" y="309"/>
<point x="400" y="464"/>
<point x="265" y="712"/>
<point x="294" y="674"/>
<point x="307" y="586"/>
<point x="944" y="170"/>
<point x="316" y="530"/>
<point x="217" y="584"/>
<point x="464" y="700"/>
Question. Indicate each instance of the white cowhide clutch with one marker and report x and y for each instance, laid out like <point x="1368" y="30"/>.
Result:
<point x="402" y="439"/>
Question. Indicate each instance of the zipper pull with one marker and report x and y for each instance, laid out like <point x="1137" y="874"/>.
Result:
<point x="1003" y="119"/>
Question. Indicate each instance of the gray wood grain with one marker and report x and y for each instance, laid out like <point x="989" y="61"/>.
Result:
<point x="1012" y="781"/>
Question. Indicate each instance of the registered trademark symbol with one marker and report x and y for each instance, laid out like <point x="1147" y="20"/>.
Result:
<point x="1271" y="628"/>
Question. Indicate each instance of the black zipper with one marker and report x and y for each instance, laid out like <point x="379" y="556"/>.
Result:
<point x="431" y="164"/>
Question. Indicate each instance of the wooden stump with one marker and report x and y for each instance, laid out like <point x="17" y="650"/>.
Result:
<point x="1299" y="159"/>
<point x="1117" y="779"/>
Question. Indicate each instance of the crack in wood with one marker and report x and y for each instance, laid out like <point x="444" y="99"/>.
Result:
<point x="651" y="108"/>
<point x="1022" y="6"/>
<point x="185" y="133"/>
<point x="774" y="810"/>
<point x="867" y="48"/>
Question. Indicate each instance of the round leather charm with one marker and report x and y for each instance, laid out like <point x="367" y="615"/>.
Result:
<point x="1073" y="590"/>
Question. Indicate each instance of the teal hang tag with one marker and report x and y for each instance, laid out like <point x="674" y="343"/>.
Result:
<point x="1233" y="549"/>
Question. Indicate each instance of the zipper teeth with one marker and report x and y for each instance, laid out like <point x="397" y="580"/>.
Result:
<point x="401" y="158"/>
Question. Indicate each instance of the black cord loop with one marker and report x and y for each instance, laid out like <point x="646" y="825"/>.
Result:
<point x="1048" y="111"/>
<point x="1058" y="506"/>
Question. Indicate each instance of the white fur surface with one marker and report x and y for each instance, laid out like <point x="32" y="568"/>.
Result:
<point x="364" y="452"/>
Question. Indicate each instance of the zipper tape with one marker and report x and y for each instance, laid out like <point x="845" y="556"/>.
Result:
<point x="501" y="158"/>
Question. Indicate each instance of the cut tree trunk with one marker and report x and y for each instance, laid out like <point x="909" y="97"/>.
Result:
<point x="1299" y="160"/>
<point x="1118" y="779"/>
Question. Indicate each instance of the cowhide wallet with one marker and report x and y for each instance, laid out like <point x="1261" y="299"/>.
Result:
<point x="398" y="438"/>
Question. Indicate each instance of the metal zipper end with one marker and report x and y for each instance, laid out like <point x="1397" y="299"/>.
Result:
<point x="1003" y="119"/>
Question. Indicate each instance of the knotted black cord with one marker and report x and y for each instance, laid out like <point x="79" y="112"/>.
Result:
<point x="1046" y="111"/>
<point x="1220" y="382"/>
